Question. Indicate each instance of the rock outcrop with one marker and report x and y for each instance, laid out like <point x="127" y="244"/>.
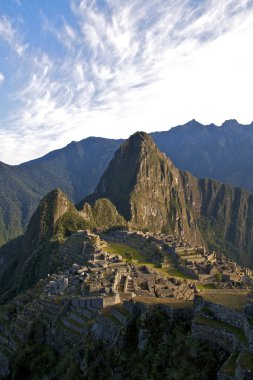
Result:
<point x="102" y="214"/>
<point x="152" y="194"/>
<point x="147" y="189"/>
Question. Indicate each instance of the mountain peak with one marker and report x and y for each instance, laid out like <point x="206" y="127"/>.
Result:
<point x="193" y="123"/>
<point x="146" y="188"/>
<point x="230" y="123"/>
<point x="139" y="138"/>
<point x="50" y="209"/>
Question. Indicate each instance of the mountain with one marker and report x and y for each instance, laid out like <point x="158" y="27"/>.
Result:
<point x="70" y="322"/>
<point x="75" y="169"/>
<point x="49" y="237"/>
<point x="147" y="189"/>
<point x="102" y="214"/>
<point x="154" y="195"/>
<point x="28" y="258"/>
<point x="223" y="153"/>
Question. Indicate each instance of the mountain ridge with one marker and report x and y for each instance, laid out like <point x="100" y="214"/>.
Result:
<point x="221" y="153"/>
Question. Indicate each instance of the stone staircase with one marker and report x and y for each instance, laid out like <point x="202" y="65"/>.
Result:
<point x="120" y="286"/>
<point x="130" y="285"/>
<point x="81" y="312"/>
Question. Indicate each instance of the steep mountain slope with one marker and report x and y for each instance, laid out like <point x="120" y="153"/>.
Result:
<point x="147" y="189"/>
<point x="224" y="153"/>
<point x="41" y="250"/>
<point x="17" y="202"/>
<point x="154" y="195"/>
<point x="26" y="259"/>
<point x="75" y="169"/>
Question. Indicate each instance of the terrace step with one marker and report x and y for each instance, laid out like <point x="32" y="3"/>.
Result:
<point x="121" y="316"/>
<point x="72" y="326"/>
<point x="78" y="318"/>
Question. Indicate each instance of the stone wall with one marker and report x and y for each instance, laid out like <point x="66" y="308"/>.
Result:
<point x="185" y="313"/>
<point x="216" y="337"/>
<point x="105" y="330"/>
<point x="222" y="313"/>
<point x="126" y="296"/>
<point x="111" y="300"/>
<point x="189" y="271"/>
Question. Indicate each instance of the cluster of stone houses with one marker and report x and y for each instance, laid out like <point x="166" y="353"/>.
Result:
<point x="214" y="267"/>
<point x="107" y="275"/>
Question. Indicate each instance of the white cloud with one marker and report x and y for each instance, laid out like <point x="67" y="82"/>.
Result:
<point x="133" y="66"/>
<point x="1" y="78"/>
<point x="12" y="36"/>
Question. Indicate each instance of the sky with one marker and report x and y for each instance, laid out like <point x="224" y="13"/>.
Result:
<point x="70" y="69"/>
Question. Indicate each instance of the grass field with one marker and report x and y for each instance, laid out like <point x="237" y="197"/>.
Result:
<point x="233" y="299"/>
<point x="167" y="301"/>
<point x="223" y="326"/>
<point x="124" y="250"/>
<point x="206" y="287"/>
<point x="174" y="272"/>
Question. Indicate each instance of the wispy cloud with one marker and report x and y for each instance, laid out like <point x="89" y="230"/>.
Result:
<point x="11" y="35"/>
<point x="126" y="66"/>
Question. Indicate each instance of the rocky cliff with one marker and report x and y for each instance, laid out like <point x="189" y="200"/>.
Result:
<point x="152" y="194"/>
<point x="33" y="256"/>
<point x="147" y="189"/>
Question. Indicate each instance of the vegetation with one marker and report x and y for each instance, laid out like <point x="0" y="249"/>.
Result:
<point x="233" y="299"/>
<point x="170" y="354"/>
<point x="69" y="223"/>
<point x="40" y="361"/>
<point x="206" y="287"/>
<point x="228" y="367"/>
<point x="34" y="362"/>
<point x="126" y="252"/>
<point x="75" y="169"/>
<point x="246" y="360"/>
<point x="223" y="326"/>
<point x="178" y="273"/>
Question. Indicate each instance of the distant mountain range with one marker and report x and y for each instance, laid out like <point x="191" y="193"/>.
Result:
<point x="224" y="153"/>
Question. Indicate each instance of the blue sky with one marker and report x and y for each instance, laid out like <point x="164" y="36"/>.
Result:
<point x="70" y="69"/>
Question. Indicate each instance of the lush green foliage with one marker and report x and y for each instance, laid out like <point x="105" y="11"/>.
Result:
<point x="170" y="354"/>
<point x="69" y="223"/>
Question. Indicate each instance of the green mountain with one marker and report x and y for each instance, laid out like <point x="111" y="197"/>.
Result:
<point x="154" y="195"/>
<point x="75" y="169"/>
<point x="102" y="214"/>
<point x="27" y="259"/>
<point x="47" y="242"/>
